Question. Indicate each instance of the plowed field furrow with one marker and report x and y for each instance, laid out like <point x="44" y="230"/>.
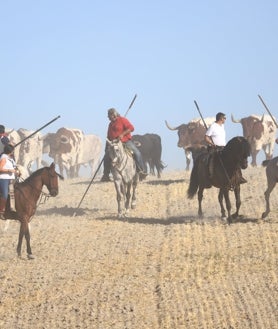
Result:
<point x="161" y="267"/>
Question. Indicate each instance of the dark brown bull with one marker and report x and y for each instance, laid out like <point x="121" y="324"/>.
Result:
<point x="260" y="132"/>
<point x="151" y="149"/>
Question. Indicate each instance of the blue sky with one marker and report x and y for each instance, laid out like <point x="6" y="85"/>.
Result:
<point x="76" y="59"/>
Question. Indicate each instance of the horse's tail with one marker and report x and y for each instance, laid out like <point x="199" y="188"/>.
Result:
<point x="194" y="181"/>
<point x="265" y="163"/>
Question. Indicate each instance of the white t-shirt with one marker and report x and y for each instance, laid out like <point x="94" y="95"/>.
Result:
<point x="217" y="133"/>
<point x="10" y="164"/>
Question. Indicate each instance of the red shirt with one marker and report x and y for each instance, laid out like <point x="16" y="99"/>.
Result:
<point x="116" y="128"/>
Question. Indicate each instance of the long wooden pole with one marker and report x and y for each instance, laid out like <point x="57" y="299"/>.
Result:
<point x="87" y="189"/>
<point x="268" y="111"/>
<point x="221" y="162"/>
<point x="24" y="139"/>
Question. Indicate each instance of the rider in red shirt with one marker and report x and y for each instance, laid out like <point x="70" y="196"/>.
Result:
<point x="120" y="128"/>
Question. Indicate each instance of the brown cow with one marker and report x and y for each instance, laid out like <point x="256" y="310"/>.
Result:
<point x="260" y="132"/>
<point x="191" y="135"/>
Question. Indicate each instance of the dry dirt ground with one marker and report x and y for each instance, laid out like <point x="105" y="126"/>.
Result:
<point x="161" y="268"/>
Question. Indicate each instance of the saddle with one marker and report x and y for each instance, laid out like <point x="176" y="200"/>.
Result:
<point x="128" y="151"/>
<point x="209" y="159"/>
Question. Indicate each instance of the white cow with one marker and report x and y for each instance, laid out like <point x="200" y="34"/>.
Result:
<point x="29" y="151"/>
<point x="260" y="131"/>
<point x="70" y="148"/>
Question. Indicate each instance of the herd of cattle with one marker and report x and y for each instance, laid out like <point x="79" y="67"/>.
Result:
<point x="260" y="131"/>
<point x="71" y="148"/>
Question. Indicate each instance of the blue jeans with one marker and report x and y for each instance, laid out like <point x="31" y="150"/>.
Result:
<point x="137" y="155"/>
<point x="4" y="188"/>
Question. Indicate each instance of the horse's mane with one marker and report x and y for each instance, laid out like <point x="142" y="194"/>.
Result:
<point x="238" y="145"/>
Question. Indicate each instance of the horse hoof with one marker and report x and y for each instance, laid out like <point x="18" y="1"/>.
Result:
<point x="264" y="214"/>
<point x="30" y="256"/>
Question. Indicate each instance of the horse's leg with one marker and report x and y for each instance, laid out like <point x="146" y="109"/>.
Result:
<point x="20" y="237"/>
<point x="133" y="199"/>
<point x="270" y="187"/>
<point x="24" y="231"/>
<point x="200" y="198"/>
<point x="28" y="244"/>
<point x="220" y="199"/>
<point x="120" y="196"/>
<point x="228" y="204"/>
<point x="238" y="201"/>
<point x="128" y="195"/>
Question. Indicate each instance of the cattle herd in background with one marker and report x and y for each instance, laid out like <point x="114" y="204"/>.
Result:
<point x="71" y="148"/>
<point x="260" y="131"/>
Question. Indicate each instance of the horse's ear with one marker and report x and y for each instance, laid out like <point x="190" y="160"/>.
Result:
<point x="52" y="166"/>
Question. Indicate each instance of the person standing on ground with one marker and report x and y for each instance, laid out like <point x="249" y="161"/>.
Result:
<point x="8" y="172"/>
<point x="5" y="140"/>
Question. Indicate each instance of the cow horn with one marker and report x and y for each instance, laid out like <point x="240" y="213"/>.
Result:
<point x="234" y="120"/>
<point x="262" y="119"/>
<point x="64" y="139"/>
<point x="9" y="132"/>
<point x="171" y="128"/>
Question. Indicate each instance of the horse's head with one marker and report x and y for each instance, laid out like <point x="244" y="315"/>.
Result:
<point x="50" y="179"/>
<point x="239" y="149"/>
<point x="115" y="151"/>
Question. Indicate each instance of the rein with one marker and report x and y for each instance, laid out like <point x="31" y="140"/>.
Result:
<point x="43" y="195"/>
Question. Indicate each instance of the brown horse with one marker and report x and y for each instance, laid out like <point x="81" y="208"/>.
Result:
<point x="226" y="174"/>
<point x="27" y="194"/>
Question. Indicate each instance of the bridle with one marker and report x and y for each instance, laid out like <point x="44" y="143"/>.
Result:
<point x="43" y="195"/>
<point x="121" y="156"/>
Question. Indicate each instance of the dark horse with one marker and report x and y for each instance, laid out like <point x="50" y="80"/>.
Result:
<point x="27" y="194"/>
<point x="226" y="174"/>
<point x="272" y="178"/>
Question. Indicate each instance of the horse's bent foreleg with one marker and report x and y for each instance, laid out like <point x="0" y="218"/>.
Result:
<point x="267" y="196"/>
<point x="200" y="198"/>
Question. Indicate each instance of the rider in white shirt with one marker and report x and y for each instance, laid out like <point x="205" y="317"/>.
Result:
<point x="216" y="135"/>
<point x="216" y="139"/>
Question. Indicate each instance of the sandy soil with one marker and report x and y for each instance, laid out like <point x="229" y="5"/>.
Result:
<point x="161" y="268"/>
